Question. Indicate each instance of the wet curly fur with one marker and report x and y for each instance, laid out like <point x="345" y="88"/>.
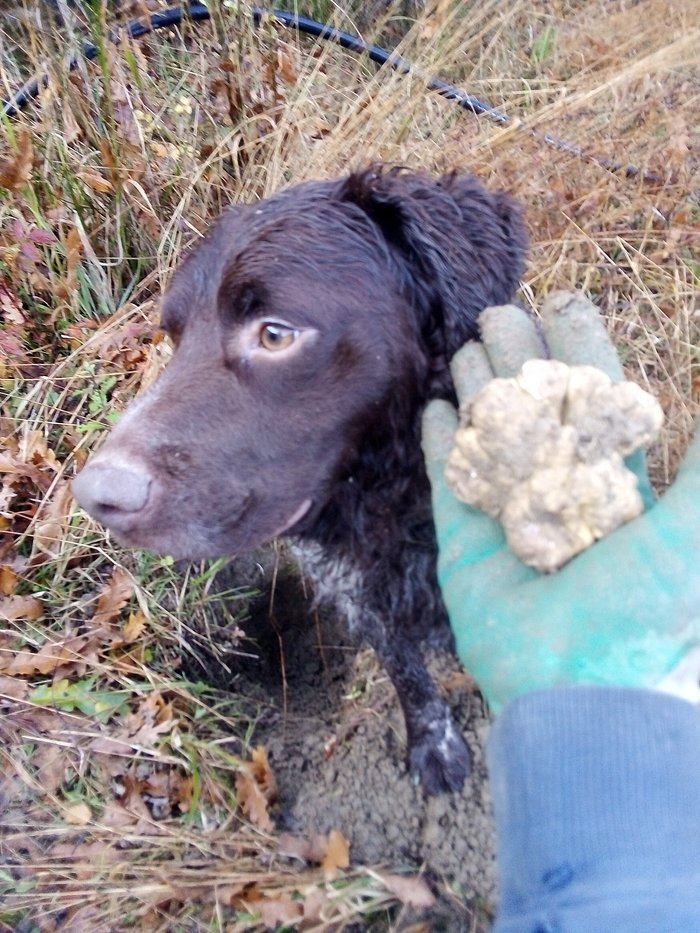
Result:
<point x="374" y="281"/>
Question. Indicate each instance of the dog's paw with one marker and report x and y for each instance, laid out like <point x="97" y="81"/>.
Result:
<point x="439" y="759"/>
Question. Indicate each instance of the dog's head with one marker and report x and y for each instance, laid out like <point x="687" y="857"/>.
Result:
<point x="306" y="328"/>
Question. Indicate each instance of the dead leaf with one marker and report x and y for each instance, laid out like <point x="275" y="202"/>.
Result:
<point x="132" y="816"/>
<point x="11" y="346"/>
<point x="230" y="895"/>
<point x="256" y="788"/>
<point x="279" y="910"/>
<point x="263" y="773"/>
<point x="9" y="580"/>
<point x="78" y="814"/>
<point x="72" y="248"/>
<point x="337" y="855"/>
<point x="47" y="659"/>
<point x="96" y="182"/>
<point x="409" y="889"/>
<point x="52" y="523"/>
<point x="315" y="904"/>
<point x="252" y="801"/>
<point x="313" y="849"/>
<point x="20" y="608"/>
<point x="50" y="762"/>
<point x="10" y="306"/>
<point x="331" y="852"/>
<point x="110" y="163"/>
<point x="134" y="627"/>
<point x="17" y="169"/>
<point x="183" y="792"/>
<point x="112" y="745"/>
<point x="297" y="847"/>
<point x="286" y="66"/>
<point x="40" y="236"/>
<point x="436" y="15"/>
<point x="35" y="450"/>
<point x="143" y="728"/>
<point x="129" y="132"/>
<point x="114" y="596"/>
<point x="13" y="688"/>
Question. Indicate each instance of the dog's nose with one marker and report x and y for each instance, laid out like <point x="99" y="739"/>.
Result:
<point x="110" y="493"/>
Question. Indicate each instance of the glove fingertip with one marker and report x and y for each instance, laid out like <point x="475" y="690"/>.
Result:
<point x="439" y="425"/>
<point x="471" y="371"/>
<point x="577" y="335"/>
<point x="511" y="336"/>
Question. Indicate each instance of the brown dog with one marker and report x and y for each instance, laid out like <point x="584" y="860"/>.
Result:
<point x="310" y="331"/>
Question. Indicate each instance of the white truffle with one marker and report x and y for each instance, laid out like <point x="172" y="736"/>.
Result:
<point x="543" y="453"/>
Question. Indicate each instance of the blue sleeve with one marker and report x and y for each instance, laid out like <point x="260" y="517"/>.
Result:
<point x="596" y="793"/>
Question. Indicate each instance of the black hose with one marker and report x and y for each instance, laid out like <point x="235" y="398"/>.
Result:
<point x="199" y="11"/>
<point x="134" y="30"/>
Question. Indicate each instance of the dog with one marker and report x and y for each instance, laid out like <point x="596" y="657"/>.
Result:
<point x="310" y="330"/>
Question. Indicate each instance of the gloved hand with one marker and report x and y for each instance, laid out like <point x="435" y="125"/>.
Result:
<point x="626" y="612"/>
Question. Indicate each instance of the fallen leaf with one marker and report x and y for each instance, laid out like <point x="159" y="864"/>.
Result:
<point x="315" y="903"/>
<point x="337" y="855"/>
<point x="133" y="817"/>
<point x="50" y="763"/>
<point x="252" y="801"/>
<point x="9" y="580"/>
<point x="256" y="788"/>
<point x="78" y="814"/>
<point x="229" y="895"/>
<point x="286" y="67"/>
<point x="79" y="695"/>
<point x="41" y="236"/>
<point x="129" y="132"/>
<point x="13" y="688"/>
<point x="10" y="306"/>
<point x="409" y="889"/>
<point x="134" y="627"/>
<point x="114" y="596"/>
<point x="72" y="248"/>
<point x="279" y="910"/>
<point x="112" y="745"/>
<point x="312" y="849"/>
<point x="143" y="728"/>
<point x="263" y="773"/>
<point x="12" y="347"/>
<point x="436" y="14"/>
<point x="296" y="847"/>
<point x="20" y="608"/>
<point x="110" y="163"/>
<point x="16" y="170"/>
<point x="47" y="659"/>
<point x="52" y="522"/>
<point x="96" y="182"/>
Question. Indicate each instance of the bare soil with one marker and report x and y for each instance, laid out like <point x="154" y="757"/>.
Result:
<point x="333" y="728"/>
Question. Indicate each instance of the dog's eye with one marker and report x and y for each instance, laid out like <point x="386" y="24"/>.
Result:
<point x="277" y="336"/>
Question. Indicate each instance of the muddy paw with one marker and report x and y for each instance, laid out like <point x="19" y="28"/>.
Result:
<point x="440" y="759"/>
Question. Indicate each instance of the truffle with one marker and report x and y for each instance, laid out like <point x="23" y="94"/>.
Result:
<point x="544" y="454"/>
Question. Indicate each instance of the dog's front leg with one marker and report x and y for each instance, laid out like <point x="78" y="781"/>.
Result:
<point x="438" y="756"/>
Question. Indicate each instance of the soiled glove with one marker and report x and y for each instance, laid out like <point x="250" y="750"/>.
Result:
<point x="626" y="612"/>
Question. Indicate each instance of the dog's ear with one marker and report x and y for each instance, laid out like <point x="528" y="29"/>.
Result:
<point x="461" y="248"/>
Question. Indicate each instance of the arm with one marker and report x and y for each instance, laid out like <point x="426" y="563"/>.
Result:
<point x="597" y="803"/>
<point x="596" y="789"/>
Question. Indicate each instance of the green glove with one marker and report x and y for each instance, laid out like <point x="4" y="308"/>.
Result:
<point x="626" y="612"/>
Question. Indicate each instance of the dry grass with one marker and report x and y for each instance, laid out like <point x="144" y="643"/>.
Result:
<point x="124" y="162"/>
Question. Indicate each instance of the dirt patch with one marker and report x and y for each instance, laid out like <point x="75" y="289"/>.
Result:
<point x="334" y="731"/>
